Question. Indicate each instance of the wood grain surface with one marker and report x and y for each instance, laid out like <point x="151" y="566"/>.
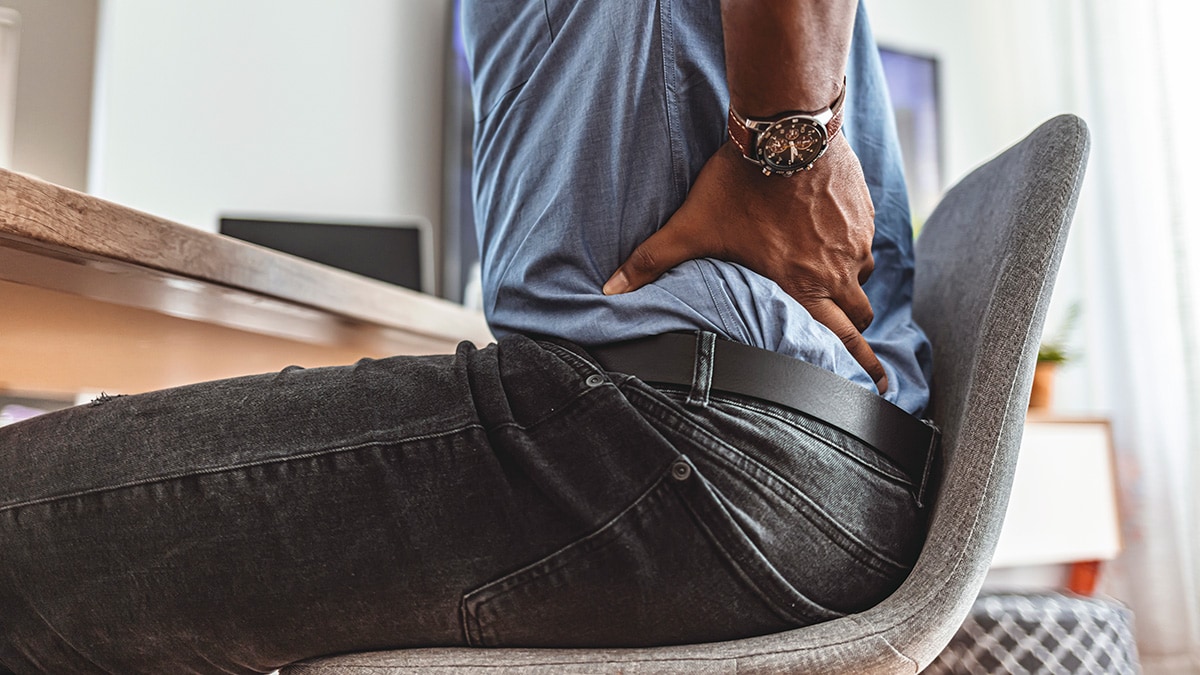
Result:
<point x="33" y="211"/>
<point x="97" y="296"/>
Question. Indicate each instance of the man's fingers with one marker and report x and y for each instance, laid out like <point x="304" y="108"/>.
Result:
<point x="857" y="307"/>
<point x="852" y="304"/>
<point x="663" y="250"/>
<point x="828" y="313"/>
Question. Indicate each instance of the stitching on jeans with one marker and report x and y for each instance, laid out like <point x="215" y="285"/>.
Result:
<point x="572" y="358"/>
<point x="788" y="609"/>
<point x="892" y="477"/>
<point x="845" y="540"/>
<point x="702" y="370"/>
<point x="308" y="455"/>
<point x="798" y="499"/>
<point x="548" y="416"/>
<point x="166" y="478"/>
<point x="550" y="559"/>
<point x="62" y="638"/>
<point x="723" y="398"/>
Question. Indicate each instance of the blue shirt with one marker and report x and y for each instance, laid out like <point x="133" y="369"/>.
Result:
<point x="593" y="119"/>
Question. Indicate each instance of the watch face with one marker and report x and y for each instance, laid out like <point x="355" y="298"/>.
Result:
<point x="792" y="143"/>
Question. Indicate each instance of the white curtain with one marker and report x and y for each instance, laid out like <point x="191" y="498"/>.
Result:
<point x="1135" y="64"/>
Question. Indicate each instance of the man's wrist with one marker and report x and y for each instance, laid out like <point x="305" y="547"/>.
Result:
<point x="766" y="102"/>
<point x="785" y="54"/>
<point x="788" y="141"/>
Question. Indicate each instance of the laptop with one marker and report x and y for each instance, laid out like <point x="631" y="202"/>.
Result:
<point x="396" y="252"/>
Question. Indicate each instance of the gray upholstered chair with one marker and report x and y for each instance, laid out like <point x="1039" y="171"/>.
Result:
<point x="986" y="263"/>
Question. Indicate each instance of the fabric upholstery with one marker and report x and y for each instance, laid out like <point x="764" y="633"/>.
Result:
<point x="986" y="264"/>
<point x="1011" y="634"/>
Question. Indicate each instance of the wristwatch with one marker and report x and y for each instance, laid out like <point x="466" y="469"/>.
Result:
<point x="790" y="141"/>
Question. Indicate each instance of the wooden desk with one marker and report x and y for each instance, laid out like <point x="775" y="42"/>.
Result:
<point x="96" y="296"/>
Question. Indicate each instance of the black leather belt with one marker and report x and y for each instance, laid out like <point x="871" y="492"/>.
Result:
<point x="671" y="358"/>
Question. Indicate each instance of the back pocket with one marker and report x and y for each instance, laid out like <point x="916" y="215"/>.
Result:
<point x="822" y="529"/>
<point x="652" y="575"/>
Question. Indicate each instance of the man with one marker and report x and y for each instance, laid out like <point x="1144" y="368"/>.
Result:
<point x="571" y="489"/>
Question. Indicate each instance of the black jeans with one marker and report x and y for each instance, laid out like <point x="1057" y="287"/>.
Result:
<point x="509" y="496"/>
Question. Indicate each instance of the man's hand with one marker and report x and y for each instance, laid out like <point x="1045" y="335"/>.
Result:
<point x="811" y="233"/>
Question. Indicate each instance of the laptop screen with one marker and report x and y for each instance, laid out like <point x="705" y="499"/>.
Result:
<point x="388" y="252"/>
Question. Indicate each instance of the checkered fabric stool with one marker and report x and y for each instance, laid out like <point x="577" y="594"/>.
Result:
<point x="1044" y="633"/>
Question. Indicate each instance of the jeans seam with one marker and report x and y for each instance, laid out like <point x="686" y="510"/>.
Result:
<point x="167" y="478"/>
<point x="810" y="510"/>
<point x="473" y="632"/>
<point x="70" y="644"/>
<point x="847" y="541"/>
<point x="898" y="480"/>
<point x="785" y="610"/>
<point x="702" y="370"/>
<point x="573" y="359"/>
<point x="548" y="416"/>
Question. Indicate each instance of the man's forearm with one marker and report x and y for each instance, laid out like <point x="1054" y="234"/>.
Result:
<point x="809" y="229"/>
<point x="785" y="54"/>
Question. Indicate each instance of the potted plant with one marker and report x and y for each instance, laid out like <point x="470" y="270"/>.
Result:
<point x="1052" y="353"/>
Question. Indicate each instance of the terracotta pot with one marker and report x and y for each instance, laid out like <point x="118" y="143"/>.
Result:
<point x="1043" y="385"/>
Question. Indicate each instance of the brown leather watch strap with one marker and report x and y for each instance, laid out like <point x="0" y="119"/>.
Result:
<point x="744" y="138"/>
<point x="835" y="124"/>
<point x="739" y="134"/>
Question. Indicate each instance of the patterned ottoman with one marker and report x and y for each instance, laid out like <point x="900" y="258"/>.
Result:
<point x="1042" y="633"/>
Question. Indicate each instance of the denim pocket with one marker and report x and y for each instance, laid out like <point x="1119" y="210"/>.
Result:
<point x="652" y="575"/>
<point x="762" y="523"/>
<point x="831" y="529"/>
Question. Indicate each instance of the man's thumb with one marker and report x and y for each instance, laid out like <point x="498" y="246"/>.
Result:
<point x="662" y="251"/>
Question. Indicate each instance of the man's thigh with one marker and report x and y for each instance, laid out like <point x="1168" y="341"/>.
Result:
<point x="512" y="496"/>
<point x="239" y="525"/>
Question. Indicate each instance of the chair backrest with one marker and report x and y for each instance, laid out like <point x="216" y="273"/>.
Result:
<point x="986" y="263"/>
<point x="987" y="260"/>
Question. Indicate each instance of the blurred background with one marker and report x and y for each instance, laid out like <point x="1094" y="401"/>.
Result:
<point x="357" y="113"/>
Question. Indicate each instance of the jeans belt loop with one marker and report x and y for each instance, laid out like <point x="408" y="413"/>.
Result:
<point x="702" y="371"/>
<point x="672" y="358"/>
<point x="931" y="457"/>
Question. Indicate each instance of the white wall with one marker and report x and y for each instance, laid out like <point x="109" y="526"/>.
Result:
<point x="54" y="89"/>
<point x="292" y="108"/>
<point x="1005" y="67"/>
<point x="1000" y="65"/>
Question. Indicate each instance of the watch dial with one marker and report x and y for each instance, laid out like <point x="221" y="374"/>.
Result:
<point x="791" y="144"/>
